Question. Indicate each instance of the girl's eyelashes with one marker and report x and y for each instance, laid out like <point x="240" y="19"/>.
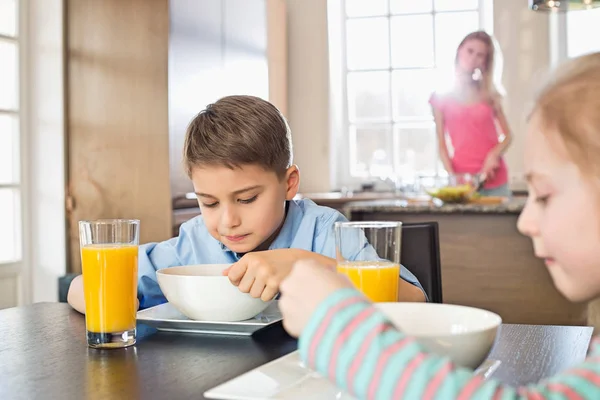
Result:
<point x="543" y="200"/>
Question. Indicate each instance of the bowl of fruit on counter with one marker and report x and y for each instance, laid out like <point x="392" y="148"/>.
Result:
<point x="454" y="188"/>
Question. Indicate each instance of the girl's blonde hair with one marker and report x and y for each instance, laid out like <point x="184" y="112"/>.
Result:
<point x="492" y="75"/>
<point x="569" y="106"/>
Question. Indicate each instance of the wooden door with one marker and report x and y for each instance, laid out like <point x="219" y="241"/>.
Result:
<point x="117" y="115"/>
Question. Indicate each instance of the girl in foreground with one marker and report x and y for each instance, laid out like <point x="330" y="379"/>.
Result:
<point x="347" y="339"/>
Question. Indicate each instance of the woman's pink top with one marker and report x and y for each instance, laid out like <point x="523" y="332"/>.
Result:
<point x="472" y="131"/>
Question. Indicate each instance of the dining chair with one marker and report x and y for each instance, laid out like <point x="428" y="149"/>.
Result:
<point x="63" y="286"/>
<point x="420" y="253"/>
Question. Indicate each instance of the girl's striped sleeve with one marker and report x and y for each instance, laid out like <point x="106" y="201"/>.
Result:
<point x="355" y="345"/>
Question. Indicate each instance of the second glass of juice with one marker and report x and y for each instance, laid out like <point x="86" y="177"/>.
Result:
<point x="369" y="254"/>
<point x="109" y="261"/>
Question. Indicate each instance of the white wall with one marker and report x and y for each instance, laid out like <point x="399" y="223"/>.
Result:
<point x="43" y="157"/>
<point x="8" y="291"/>
<point x="308" y="91"/>
<point x="46" y="158"/>
<point x="523" y="36"/>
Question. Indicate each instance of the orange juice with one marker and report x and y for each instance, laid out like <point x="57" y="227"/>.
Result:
<point x="110" y="287"/>
<point x="378" y="280"/>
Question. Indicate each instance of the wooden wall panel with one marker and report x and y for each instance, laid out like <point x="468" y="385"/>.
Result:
<point x="117" y="115"/>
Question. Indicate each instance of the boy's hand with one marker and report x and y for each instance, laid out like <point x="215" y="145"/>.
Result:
<point x="260" y="273"/>
<point x="308" y="284"/>
<point x="76" y="298"/>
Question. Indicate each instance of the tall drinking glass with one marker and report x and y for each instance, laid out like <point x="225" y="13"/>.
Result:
<point x="109" y="260"/>
<point x="369" y="254"/>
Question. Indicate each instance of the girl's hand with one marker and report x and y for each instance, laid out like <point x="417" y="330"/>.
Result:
<point x="304" y="289"/>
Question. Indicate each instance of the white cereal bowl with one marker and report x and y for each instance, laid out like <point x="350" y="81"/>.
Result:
<point x="464" y="334"/>
<point x="202" y="293"/>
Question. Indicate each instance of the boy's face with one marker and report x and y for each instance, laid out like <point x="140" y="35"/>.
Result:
<point x="243" y="208"/>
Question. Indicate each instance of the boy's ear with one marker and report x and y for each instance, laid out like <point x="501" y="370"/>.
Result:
<point x="292" y="179"/>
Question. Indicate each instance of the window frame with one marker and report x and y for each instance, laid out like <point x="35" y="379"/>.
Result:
<point x="17" y="268"/>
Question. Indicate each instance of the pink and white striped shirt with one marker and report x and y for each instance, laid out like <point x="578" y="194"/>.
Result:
<point x="357" y="347"/>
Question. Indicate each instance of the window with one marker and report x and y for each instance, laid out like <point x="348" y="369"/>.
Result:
<point x="10" y="189"/>
<point x="394" y="53"/>
<point x="583" y="31"/>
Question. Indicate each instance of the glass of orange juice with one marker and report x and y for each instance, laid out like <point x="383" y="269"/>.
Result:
<point x="109" y="260"/>
<point x="369" y="254"/>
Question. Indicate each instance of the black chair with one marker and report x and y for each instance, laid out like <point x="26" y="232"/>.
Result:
<point x="421" y="255"/>
<point x="63" y="286"/>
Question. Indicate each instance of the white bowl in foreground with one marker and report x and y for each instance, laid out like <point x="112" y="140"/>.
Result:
<point x="202" y="293"/>
<point x="465" y="334"/>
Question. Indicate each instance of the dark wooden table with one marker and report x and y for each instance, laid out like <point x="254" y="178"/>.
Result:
<point x="43" y="355"/>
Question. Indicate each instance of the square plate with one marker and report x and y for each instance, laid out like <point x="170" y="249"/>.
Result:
<point x="283" y="378"/>
<point x="165" y="317"/>
<point x="287" y="378"/>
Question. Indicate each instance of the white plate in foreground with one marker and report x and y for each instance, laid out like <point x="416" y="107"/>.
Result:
<point x="283" y="378"/>
<point x="286" y="378"/>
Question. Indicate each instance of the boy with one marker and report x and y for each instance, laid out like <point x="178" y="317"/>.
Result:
<point x="238" y="154"/>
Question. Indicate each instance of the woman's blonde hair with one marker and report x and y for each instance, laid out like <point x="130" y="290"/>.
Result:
<point x="569" y="106"/>
<point x="492" y="75"/>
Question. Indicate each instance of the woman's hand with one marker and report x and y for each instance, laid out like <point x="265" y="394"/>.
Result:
<point x="491" y="163"/>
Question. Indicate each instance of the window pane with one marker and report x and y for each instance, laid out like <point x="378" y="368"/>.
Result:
<point x="583" y="31"/>
<point x="456" y="5"/>
<point x="411" y="91"/>
<point x="8" y="17"/>
<point x="10" y="232"/>
<point x="368" y="43"/>
<point x="410" y="6"/>
<point x="371" y="151"/>
<point x="412" y="41"/>
<point x="9" y="149"/>
<point x="450" y="30"/>
<point x="362" y="8"/>
<point x="416" y="146"/>
<point x="9" y="77"/>
<point x="369" y="96"/>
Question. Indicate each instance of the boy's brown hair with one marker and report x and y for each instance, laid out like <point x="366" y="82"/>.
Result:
<point x="237" y="131"/>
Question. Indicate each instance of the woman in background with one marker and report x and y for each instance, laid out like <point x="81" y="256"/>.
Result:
<point x="471" y="114"/>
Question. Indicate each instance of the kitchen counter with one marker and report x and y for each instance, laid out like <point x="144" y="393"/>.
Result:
<point x="486" y="262"/>
<point x="514" y="206"/>
<point x="397" y="202"/>
<point x="358" y="202"/>
<point x="344" y="197"/>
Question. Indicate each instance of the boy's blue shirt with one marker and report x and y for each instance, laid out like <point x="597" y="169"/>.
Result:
<point x="307" y="226"/>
